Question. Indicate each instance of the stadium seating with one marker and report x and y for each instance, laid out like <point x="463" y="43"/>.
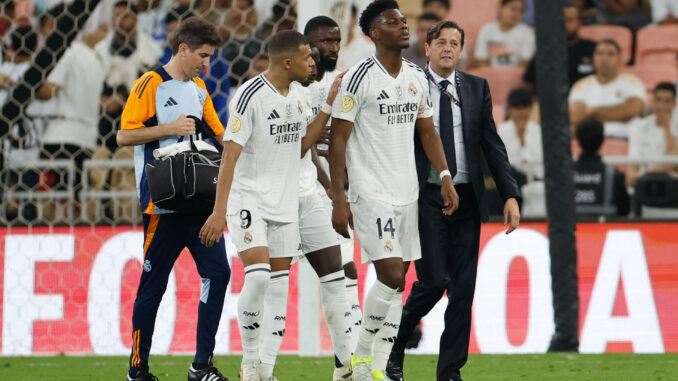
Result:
<point x="657" y="45"/>
<point x="622" y="35"/>
<point x="652" y="74"/>
<point x="472" y="16"/>
<point x="501" y="79"/>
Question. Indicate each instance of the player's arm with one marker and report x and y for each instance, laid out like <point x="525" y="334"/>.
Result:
<point x="323" y="178"/>
<point x="213" y="229"/>
<point x="316" y="127"/>
<point x="433" y="147"/>
<point x="131" y="137"/>
<point x="341" y="213"/>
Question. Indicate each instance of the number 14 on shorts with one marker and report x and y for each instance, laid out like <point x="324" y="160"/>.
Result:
<point x="388" y="228"/>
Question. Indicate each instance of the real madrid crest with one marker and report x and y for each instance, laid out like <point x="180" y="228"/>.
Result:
<point x="388" y="246"/>
<point x="248" y="237"/>
<point x="412" y="89"/>
<point x="300" y="107"/>
<point x="235" y="124"/>
<point x="399" y="91"/>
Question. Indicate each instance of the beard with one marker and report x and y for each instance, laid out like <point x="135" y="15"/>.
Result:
<point x="327" y="63"/>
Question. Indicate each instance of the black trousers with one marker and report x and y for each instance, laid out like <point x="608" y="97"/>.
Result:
<point x="449" y="249"/>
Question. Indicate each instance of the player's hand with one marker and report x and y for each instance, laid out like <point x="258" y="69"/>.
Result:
<point x="324" y="136"/>
<point x="450" y="196"/>
<point x="183" y="126"/>
<point x="213" y="229"/>
<point x="511" y="214"/>
<point x="324" y="153"/>
<point x="334" y="89"/>
<point x="342" y="218"/>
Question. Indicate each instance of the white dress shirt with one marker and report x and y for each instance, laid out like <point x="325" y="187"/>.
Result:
<point x="462" y="175"/>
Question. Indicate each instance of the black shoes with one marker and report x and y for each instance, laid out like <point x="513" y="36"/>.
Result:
<point x="209" y="373"/>
<point x="142" y="375"/>
<point x="394" y="366"/>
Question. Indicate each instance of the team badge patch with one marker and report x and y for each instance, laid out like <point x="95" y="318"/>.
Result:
<point x="388" y="247"/>
<point x="412" y="89"/>
<point x="235" y="124"/>
<point x="147" y="265"/>
<point x="300" y="107"/>
<point x="347" y="103"/>
<point x="248" y="237"/>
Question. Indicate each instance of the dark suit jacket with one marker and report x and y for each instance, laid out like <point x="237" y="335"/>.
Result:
<point x="480" y="135"/>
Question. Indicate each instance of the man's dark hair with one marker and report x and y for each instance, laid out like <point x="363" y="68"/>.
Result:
<point x="665" y="86"/>
<point x="429" y="17"/>
<point x="435" y="30"/>
<point x="23" y="40"/>
<point x="372" y="11"/>
<point x="590" y="134"/>
<point x="126" y="4"/>
<point x="319" y="22"/>
<point x="609" y="41"/>
<point x="504" y="2"/>
<point x="178" y="13"/>
<point x="444" y="3"/>
<point x="195" y="32"/>
<point x="287" y="41"/>
<point x="520" y="97"/>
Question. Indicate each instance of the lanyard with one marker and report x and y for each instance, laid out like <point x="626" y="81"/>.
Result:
<point x="456" y="100"/>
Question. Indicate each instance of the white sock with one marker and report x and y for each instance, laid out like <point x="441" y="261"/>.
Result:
<point x="387" y="334"/>
<point x="337" y="314"/>
<point x="251" y="308"/>
<point x="275" y="315"/>
<point x="356" y="312"/>
<point x="377" y="304"/>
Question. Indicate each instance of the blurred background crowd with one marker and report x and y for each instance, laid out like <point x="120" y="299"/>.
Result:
<point x="61" y="164"/>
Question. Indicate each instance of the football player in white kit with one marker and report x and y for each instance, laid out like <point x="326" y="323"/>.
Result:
<point x="384" y="99"/>
<point x="324" y="33"/>
<point x="320" y="245"/>
<point x="257" y="188"/>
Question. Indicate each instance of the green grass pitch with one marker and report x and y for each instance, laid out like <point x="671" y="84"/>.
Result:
<point x="417" y="368"/>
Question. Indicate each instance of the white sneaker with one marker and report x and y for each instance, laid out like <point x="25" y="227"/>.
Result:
<point x="272" y="378"/>
<point x="249" y="370"/>
<point x="342" y="374"/>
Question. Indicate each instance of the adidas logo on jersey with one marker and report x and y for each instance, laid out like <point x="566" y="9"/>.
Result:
<point x="382" y="96"/>
<point x="170" y="102"/>
<point x="274" y="115"/>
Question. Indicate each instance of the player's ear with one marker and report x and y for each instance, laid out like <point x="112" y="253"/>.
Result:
<point x="183" y="48"/>
<point x="427" y="47"/>
<point x="287" y="63"/>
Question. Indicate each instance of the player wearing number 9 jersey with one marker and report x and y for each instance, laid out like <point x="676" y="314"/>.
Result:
<point x="383" y="100"/>
<point x="257" y="188"/>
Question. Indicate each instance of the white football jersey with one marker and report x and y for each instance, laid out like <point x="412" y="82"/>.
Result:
<point x="383" y="109"/>
<point x="269" y="127"/>
<point x="317" y="92"/>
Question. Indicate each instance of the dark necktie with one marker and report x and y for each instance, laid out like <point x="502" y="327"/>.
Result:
<point x="446" y="125"/>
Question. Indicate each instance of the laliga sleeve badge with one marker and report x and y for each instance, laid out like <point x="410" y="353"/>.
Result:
<point x="347" y="103"/>
<point x="235" y="124"/>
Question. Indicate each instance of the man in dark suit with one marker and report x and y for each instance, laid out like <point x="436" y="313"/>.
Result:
<point x="450" y="244"/>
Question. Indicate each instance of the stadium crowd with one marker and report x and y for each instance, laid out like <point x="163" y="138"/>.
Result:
<point x="622" y="66"/>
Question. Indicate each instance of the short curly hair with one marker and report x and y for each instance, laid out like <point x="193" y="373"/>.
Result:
<point x="372" y="11"/>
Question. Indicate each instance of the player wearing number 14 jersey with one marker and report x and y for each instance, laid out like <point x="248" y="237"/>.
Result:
<point x="383" y="101"/>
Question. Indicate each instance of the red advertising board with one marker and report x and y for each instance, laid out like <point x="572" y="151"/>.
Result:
<point x="71" y="290"/>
